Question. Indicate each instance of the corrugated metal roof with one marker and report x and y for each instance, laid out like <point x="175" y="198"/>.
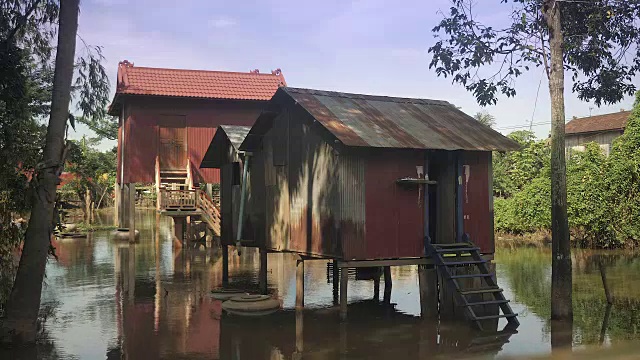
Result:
<point x="217" y="153"/>
<point x="606" y="122"/>
<point x="391" y="122"/>
<point x="236" y="134"/>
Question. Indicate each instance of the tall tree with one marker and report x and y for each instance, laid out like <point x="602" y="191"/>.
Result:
<point x="483" y="117"/>
<point x="597" y="41"/>
<point x="24" y="302"/>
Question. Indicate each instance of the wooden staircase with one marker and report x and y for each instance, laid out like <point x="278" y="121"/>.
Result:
<point x="466" y="255"/>
<point x="173" y="178"/>
<point x="209" y="211"/>
<point x="178" y="201"/>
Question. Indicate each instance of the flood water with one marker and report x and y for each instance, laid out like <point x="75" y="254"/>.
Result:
<point x="104" y="299"/>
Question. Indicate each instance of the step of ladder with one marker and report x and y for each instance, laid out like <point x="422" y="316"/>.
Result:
<point x="480" y="291"/>
<point x="461" y="263"/>
<point x="457" y="250"/>
<point x="499" y="316"/>
<point x="467" y="276"/>
<point x="447" y="258"/>
<point x="490" y="302"/>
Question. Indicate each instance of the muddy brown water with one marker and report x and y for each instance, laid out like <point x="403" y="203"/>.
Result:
<point x="104" y="299"/>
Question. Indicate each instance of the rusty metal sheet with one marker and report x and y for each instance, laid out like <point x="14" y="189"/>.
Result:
<point x="224" y="146"/>
<point x="388" y="122"/>
<point x="351" y="183"/>
<point x="235" y="134"/>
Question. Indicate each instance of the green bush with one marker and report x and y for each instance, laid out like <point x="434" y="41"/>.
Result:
<point x="603" y="193"/>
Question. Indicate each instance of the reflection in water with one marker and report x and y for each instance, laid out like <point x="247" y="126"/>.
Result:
<point x="151" y="300"/>
<point x="527" y="272"/>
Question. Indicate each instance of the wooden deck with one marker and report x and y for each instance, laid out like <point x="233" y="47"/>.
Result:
<point x="191" y="202"/>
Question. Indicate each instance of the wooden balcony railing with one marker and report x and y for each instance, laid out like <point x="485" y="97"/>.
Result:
<point x="192" y="200"/>
<point x="178" y="199"/>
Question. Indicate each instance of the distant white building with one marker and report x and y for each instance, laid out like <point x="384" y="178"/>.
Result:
<point x="602" y="129"/>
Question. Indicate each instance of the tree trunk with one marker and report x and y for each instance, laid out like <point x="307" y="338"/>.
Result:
<point x="561" y="282"/>
<point x="24" y="302"/>
<point x="87" y="204"/>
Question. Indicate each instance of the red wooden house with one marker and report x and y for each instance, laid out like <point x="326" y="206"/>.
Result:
<point x="167" y="118"/>
<point x="375" y="181"/>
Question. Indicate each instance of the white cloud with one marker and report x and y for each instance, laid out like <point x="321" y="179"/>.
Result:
<point x="221" y="22"/>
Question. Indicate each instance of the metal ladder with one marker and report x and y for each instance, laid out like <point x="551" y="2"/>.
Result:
<point x="447" y="256"/>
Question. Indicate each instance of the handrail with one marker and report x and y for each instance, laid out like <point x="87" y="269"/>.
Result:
<point x="192" y="199"/>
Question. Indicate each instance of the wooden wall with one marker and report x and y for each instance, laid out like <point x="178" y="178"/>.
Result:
<point x="142" y="115"/>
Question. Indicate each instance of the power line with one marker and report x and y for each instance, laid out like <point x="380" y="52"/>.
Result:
<point x="524" y="126"/>
<point x="535" y="104"/>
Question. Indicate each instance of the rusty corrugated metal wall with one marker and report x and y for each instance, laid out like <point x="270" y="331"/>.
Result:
<point x="312" y="170"/>
<point x="476" y="195"/>
<point x="301" y="189"/>
<point x="351" y="212"/>
<point x="276" y="194"/>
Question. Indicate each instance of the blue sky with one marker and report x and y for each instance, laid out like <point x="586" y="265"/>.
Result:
<point x="373" y="47"/>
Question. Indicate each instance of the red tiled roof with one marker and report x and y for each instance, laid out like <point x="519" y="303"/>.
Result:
<point x="606" y="122"/>
<point x="197" y="83"/>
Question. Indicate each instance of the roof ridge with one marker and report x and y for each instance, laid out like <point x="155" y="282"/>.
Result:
<point x="207" y="71"/>
<point x="395" y="99"/>
<point x="599" y="115"/>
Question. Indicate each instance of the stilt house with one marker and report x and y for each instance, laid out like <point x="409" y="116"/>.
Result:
<point x="223" y="154"/>
<point x="360" y="177"/>
<point x="167" y="117"/>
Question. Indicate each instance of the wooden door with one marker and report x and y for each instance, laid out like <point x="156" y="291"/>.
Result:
<point x="173" y="146"/>
<point x="476" y="193"/>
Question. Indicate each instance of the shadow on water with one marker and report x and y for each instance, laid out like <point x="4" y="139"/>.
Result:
<point x="150" y="300"/>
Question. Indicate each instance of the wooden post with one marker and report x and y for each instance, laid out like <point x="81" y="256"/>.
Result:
<point x="344" y="282"/>
<point x="187" y="230"/>
<point x="93" y="211"/>
<point x="605" y="283"/>
<point x="132" y="212"/>
<point x="388" y="284"/>
<point x="299" y="284"/>
<point x="225" y="265"/>
<point x="263" y="271"/>
<point x="116" y="215"/>
<point x="124" y="206"/>
<point x="605" y="323"/>
<point x="299" y="335"/>
<point x="376" y="286"/>
<point x="336" y="281"/>
<point x="428" y="280"/>
<point x="87" y="206"/>
<point x="178" y="227"/>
